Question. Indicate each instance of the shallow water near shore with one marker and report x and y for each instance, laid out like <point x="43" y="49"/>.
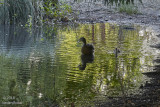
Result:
<point x="41" y="67"/>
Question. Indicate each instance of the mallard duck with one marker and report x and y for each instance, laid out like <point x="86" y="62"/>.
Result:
<point x="87" y="49"/>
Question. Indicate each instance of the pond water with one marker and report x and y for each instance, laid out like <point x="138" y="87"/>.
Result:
<point x="44" y="66"/>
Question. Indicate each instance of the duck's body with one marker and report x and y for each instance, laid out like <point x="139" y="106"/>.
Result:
<point x="87" y="49"/>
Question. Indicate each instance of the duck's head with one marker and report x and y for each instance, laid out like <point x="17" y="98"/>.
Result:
<point x="82" y="39"/>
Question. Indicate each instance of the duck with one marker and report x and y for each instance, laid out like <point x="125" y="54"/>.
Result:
<point x="116" y="52"/>
<point x="87" y="49"/>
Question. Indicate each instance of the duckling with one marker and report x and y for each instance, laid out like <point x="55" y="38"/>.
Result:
<point x="87" y="49"/>
<point x="116" y="52"/>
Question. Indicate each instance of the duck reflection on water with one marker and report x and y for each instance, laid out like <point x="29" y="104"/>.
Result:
<point x="87" y="55"/>
<point x="84" y="60"/>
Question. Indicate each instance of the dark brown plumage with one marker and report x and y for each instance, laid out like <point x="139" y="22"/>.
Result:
<point x="87" y="49"/>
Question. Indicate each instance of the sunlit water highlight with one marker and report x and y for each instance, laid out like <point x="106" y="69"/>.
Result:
<point x="42" y="67"/>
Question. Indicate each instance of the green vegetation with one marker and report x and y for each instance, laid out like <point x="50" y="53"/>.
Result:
<point x="128" y="8"/>
<point x="58" y="11"/>
<point x="15" y="11"/>
<point x="37" y="12"/>
<point x="33" y="11"/>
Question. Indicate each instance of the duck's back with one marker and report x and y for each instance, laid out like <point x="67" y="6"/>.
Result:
<point x="87" y="49"/>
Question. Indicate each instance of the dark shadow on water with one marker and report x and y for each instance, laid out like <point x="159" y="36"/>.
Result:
<point x="84" y="60"/>
<point x="156" y="46"/>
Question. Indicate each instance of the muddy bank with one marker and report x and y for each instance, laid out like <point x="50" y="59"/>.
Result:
<point x="98" y="11"/>
<point x="104" y="15"/>
<point x="89" y="12"/>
